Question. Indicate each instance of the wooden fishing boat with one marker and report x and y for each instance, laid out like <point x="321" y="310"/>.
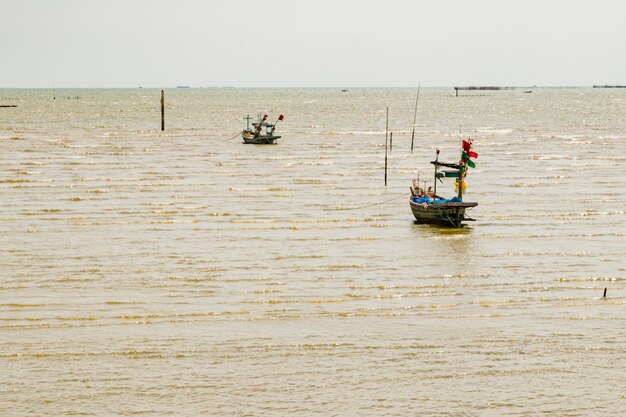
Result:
<point x="447" y="214"/>
<point x="256" y="135"/>
<point x="428" y="207"/>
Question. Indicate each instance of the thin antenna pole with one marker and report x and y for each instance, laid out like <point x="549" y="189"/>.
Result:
<point x="415" y="116"/>
<point x="386" y="130"/>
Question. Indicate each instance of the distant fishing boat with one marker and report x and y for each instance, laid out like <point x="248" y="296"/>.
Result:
<point x="256" y="136"/>
<point x="528" y="91"/>
<point x="428" y="207"/>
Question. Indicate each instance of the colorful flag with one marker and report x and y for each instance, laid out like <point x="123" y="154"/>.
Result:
<point x="471" y="164"/>
<point x="265" y="117"/>
<point x="281" y="117"/>
<point x="466" y="145"/>
<point x="472" y="154"/>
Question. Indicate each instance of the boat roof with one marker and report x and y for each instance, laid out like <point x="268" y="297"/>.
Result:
<point x="446" y="164"/>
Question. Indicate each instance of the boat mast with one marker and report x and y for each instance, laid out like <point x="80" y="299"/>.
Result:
<point x="435" y="180"/>
<point x="461" y="171"/>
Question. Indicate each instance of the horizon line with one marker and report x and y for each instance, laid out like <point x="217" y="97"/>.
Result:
<point x="185" y="87"/>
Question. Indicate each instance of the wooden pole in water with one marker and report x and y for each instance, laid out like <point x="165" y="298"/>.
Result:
<point x="162" y="110"/>
<point x="386" y="130"/>
<point x="390" y="141"/>
<point x="604" y="295"/>
<point x="415" y="116"/>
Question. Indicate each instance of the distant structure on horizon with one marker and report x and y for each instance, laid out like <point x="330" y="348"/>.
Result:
<point x="609" y="86"/>
<point x="456" y="89"/>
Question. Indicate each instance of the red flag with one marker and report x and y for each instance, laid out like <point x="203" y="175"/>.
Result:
<point x="265" y="117"/>
<point x="466" y="145"/>
<point x="281" y="117"/>
<point x="472" y="154"/>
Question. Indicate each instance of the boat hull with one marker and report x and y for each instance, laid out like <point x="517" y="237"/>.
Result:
<point x="259" y="140"/>
<point x="446" y="214"/>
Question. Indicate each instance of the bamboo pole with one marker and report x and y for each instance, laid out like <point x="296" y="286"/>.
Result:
<point x="386" y="130"/>
<point x="415" y="116"/>
<point x="418" y="183"/>
<point x="162" y="110"/>
<point x="390" y="141"/>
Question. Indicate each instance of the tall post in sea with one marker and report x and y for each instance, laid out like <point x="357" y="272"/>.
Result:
<point x="386" y="130"/>
<point x="162" y="110"/>
<point x="415" y="116"/>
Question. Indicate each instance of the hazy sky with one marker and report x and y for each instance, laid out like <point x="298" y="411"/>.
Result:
<point x="312" y="43"/>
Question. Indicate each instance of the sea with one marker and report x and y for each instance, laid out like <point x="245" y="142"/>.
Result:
<point x="184" y="273"/>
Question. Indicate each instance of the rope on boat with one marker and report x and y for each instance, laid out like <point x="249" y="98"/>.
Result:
<point x="455" y="224"/>
<point x="369" y="205"/>
<point x="236" y="134"/>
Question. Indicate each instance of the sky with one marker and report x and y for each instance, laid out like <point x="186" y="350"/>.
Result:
<point x="311" y="43"/>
